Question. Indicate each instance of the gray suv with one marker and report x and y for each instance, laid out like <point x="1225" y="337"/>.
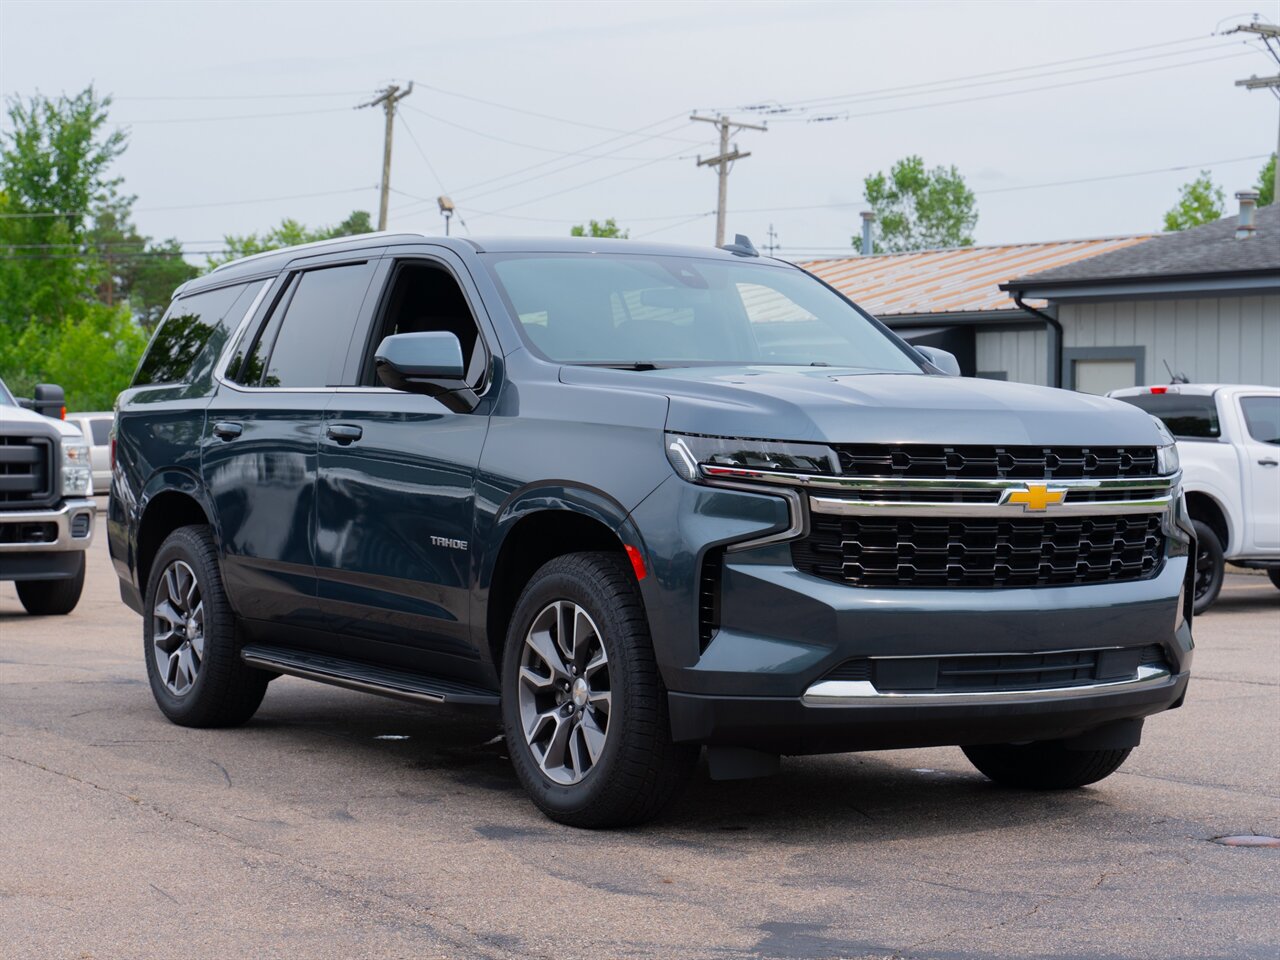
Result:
<point x="644" y="500"/>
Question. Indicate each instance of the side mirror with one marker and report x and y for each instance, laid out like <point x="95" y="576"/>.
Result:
<point x="944" y="361"/>
<point x="50" y="400"/>
<point x="426" y="363"/>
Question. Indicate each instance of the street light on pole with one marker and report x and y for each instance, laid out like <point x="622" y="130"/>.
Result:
<point x="446" y="208"/>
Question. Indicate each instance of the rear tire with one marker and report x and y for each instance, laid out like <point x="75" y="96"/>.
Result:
<point x="1210" y="566"/>
<point x="1044" y="766"/>
<point x="52" y="598"/>
<point x="1274" y="574"/>
<point x="189" y="637"/>
<point x="589" y="733"/>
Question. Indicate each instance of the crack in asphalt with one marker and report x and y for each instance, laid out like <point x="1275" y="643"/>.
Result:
<point x="307" y="873"/>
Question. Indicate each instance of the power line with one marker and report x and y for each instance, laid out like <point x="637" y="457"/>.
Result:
<point x="989" y="73"/>
<point x="1010" y="93"/>
<point x="240" y="116"/>
<point x="439" y="183"/>
<point x="189" y="206"/>
<point x="242" y="96"/>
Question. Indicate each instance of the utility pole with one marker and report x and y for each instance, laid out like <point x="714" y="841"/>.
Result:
<point x="1268" y="32"/>
<point x="722" y="161"/>
<point x="388" y="98"/>
<point x="772" y="246"/>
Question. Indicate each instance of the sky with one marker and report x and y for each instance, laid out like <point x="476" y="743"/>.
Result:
<point x="537" y="116"/>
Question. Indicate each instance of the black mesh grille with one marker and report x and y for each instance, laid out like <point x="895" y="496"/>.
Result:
<point x="26" y="471"/>
<point x="1000" y="671"/>
<point x="978" y="462"/>
<point x="980" y="552"/>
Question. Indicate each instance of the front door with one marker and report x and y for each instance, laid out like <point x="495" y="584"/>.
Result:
<point x="395" y="500"/>
<point x="1260" y="451"/>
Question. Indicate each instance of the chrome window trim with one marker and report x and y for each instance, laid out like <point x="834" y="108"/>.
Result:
<point x="862" y="693"/>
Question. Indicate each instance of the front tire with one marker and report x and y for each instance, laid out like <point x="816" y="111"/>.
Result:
<point x="52" y="598"/>
<point x="189" y="637"/>
<point x="1210" y="566"/>
<point x="1044" y="766"/>
<point x="583" y="705"/>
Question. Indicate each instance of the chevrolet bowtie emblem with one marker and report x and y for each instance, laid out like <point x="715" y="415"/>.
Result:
<point x="1036" y="497"/>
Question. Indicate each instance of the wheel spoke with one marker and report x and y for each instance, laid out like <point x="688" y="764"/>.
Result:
<point x="173" y="621"/>
<point x="177" y="618"/>
<point x="584" y="632"/>
<point x="173" y="588"/>
<point x="595" y="663"/>
<point x="541" y="643"/>
<point x="593" y="736"/>
<point x="555" y="755"/>
<point x="576" y="763"/>
<point x="186" y="666"/>
<point x="536" y="680"/>
<point x="566" y="614"/>
<point x="535" y="724"/>
<point x="601" y="700"/>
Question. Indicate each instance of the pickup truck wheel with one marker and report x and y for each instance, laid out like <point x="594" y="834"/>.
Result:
<point x="1210" y="567"/>
<point x="1274" y="574"/>
<point x="52" y="598"/>
<point x="583" y="705"/>
<point x="1044" y="766"/>
<point x="189" y="637"/>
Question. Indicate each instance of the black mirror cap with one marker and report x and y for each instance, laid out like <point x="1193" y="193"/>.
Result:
<point x="427" y="363"/>
<point x="50" y="400"/>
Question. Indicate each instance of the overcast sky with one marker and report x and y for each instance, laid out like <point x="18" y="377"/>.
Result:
<point x="189" y="78"/>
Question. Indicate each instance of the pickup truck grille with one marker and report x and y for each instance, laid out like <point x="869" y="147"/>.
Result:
<point x="979" y="462"/>
<point x="977" y="552"/>
<point x="26" y="472"/>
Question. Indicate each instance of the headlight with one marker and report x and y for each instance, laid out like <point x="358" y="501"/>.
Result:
<point x="696" y="458"/>
<point x="77" y="475"/>
<point x="1167" y="452"/>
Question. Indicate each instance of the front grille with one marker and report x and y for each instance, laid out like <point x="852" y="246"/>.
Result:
<point x="979" y="462"/>
<point x="26" y="471"/>
<point x="980" y="552"/>
<point x="1006" y="671"/>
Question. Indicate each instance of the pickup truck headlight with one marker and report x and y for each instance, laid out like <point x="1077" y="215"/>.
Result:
<point x="77" y="474"/>
<point x="698" y="458"/>
<point x="1167" y="452"/>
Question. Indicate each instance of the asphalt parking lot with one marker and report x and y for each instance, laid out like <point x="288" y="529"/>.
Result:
<point x="342" y="825"/>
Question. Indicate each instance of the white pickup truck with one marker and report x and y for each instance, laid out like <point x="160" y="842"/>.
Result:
<point x="1229" y="444"/>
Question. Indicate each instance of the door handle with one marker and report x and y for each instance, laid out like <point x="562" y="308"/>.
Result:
<point x="1269" y="463"/>
<point x="344" y="433"/>
<point x="227" y="429"/>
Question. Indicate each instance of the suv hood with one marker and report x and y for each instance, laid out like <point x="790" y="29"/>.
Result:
<point x="841" y="405"/>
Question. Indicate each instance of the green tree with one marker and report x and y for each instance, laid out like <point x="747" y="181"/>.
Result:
<point x="290" y="233"/>
<point x="919" y="209"/>
<point x="1267" y="183"/>
<point x="138" y="271"/>
<point x="595" y="228"/>
<point x="1200" y="201"/>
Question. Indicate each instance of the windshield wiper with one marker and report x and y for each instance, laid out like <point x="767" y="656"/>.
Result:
<point x="617" y="364"/>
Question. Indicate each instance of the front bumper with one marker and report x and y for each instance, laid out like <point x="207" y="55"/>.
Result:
<point x="762" y="678"/>
<point x="50" y="530"/>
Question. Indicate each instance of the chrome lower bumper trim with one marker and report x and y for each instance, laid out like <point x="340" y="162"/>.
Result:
<point x="60" y="517"/>
<point x="861" y="693"/>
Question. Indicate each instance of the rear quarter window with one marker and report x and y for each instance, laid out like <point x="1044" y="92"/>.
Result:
<point x="1262" y="418"/>
<point x="192" y="334"/>
<point x="1188" y="416"/>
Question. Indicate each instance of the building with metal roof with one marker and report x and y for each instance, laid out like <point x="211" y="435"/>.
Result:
<point x="952" y="299"/>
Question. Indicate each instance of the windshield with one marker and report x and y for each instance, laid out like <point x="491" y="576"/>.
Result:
<point x="6" y="398"/>
<point x="629" y="309"/>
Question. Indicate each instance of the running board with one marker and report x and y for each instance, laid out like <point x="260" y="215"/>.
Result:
<point x="385" y="681"/>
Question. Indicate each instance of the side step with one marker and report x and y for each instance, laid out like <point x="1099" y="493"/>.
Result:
<point x="386" y="681"/>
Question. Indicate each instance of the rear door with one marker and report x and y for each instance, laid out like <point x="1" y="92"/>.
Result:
<point x="396" y="498"/>
<point x="1260" y="463"/>
<point x="262" y="432"/>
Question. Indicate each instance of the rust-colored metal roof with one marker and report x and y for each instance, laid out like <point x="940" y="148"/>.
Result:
<point x="960" y="280"/>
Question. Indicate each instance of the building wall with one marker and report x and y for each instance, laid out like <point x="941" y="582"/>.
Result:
<point x="1217" y="340"/>
<point x="1020" y="354"/>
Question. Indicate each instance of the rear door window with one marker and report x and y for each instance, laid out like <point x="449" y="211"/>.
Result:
<point x="1188" y="416"/>
<point x="1262" y="418"/>
<point x="306" y="341"/>
<point x="100" y="430"/>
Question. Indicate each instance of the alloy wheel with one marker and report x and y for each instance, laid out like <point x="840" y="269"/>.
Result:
<point x="564" y="693"/>
<point x="178" y="628"/>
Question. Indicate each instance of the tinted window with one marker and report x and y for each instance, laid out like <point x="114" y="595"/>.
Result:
<point x="628" y="308"/>
<point x="1262" y="416"/>
<point x="1188" y="417"/>
<point x="100" y="428"/>
<point x="194" y="328"/>
<point x="307" y="345"/>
